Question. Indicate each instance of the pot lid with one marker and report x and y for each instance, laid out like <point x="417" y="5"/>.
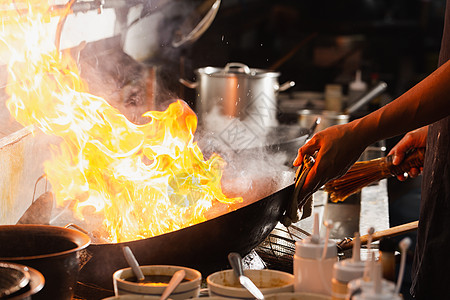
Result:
<point x="235" y="69"/>
<point x="13" y="278"/>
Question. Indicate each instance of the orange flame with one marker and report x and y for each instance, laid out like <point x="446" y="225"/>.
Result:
<point x="142" y="180"/>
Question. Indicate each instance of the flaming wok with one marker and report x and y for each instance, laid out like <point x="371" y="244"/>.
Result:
<point x="203" y="246"/>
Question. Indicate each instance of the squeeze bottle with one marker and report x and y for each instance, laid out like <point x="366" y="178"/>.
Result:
<point x="313" y="262"/>
<point x="346" y="270"/>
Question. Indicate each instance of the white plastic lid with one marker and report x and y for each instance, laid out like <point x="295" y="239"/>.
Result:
<point x="373" y="296"/>
<point x="313" y="246"/>
<point x="357" y="84"/>
<point x="359" y="283"/>
<point x="347" y="270"/>
<point x="377" y="290"/>
<point x="309" y="248"/>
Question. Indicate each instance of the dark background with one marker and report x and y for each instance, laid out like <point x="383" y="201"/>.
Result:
<point x="396" y="41"/>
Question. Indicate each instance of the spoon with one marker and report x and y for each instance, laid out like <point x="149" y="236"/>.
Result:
<point x="236" y="263"/>
<point x="173" y="283"/>
<point x="132" y="262"/>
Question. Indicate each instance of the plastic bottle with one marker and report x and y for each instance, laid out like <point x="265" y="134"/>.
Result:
<point x="375" y="287"/>
<point x="313" y="262"/>
<point x="333" y="97"/>
<point x="356" y="88"/>
<point x="356" y="286"/>
<point x="387" y="258"/>
<point x="378" y="290"/>
<point x="346" y="270"/>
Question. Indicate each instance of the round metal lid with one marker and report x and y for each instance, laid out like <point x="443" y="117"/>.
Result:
<point x="236" y="69"/>
<point x="13" y="278"/>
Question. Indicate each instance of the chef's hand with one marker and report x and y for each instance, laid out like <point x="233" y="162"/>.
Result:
<point x="338" y="147"/>
<point x="413" y="139"/>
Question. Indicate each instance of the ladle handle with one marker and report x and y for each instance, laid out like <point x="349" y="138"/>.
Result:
<point x="131" y="260"/>
<point x="236" y="263"/>
<point x="173" y="283"/>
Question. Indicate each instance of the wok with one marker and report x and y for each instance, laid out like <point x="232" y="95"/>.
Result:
<point x="203" y="246"/>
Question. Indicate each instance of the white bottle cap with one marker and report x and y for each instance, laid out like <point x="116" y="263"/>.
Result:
<point x="313" y="246"/>
<point x="358" y="84"/>
<point x="349" y="269"/>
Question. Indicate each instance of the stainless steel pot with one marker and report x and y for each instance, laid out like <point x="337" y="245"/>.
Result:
<point x="330" y="118"/>
<point x="327" y="118"/>
<point x="238" y="91"/>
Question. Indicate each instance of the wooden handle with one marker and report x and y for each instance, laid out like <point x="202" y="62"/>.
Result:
<point x="412" y="160"/>
<point x="393" y="231"/>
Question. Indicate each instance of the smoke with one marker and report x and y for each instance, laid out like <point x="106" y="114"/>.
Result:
<point x="253" y="170"/>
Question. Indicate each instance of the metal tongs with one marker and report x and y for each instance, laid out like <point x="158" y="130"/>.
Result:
<point x="291" y="214"/>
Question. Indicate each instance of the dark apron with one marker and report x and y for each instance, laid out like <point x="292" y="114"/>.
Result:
<point x="431" y="267"/>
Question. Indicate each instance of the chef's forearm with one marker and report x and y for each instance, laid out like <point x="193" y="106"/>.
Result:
<point x="425" y="103"/>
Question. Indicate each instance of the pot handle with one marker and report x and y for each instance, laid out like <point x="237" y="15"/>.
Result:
<point x="242" y="68"/>
<point x="188" y="84"/>
<point x="285" y="86"/>
<point x="76" y="227"/>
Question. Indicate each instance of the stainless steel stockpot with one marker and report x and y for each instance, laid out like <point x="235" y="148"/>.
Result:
<point x="238" y="91"/>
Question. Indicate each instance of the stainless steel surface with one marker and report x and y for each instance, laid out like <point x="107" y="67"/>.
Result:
<point x="236" y="263"/>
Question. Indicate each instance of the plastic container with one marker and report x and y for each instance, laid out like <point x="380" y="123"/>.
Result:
<point x="333" y="97"/>
<point x="313" y="263"/>
<point x="356" y="88"/>
<point x="378" y="290"/>
<point x="347" y="270"/>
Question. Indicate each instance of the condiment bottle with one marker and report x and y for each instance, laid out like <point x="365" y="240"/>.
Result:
<point x="378" y="290"/>
<point x="356" y="286"/>
<point x="333" y="97"/>
<point x="387" y="258"/>
<point x="313" y="262"/>
<point x="346" y="270"/>
<point x="356" y="88"/>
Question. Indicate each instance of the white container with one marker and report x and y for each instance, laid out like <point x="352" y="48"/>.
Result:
<point x="134" y="297"/>
<point x="356" y="88"/>
<point x="226" y="284"/>
<point x="187" y="289"/>
<point x="312" y="269"/>
<point x="333" y="97"/>
<point x="297" y="296"/>
<point x="347" y="270"/>
<point x="375" y="289"/>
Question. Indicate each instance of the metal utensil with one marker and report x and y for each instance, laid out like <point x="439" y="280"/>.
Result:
<point x="173" y="283"/>
<point x="374" y="92"/>
<point x="132" y="262"/>
<point x="200" y="28"/>
<point x="236" y="263"/>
